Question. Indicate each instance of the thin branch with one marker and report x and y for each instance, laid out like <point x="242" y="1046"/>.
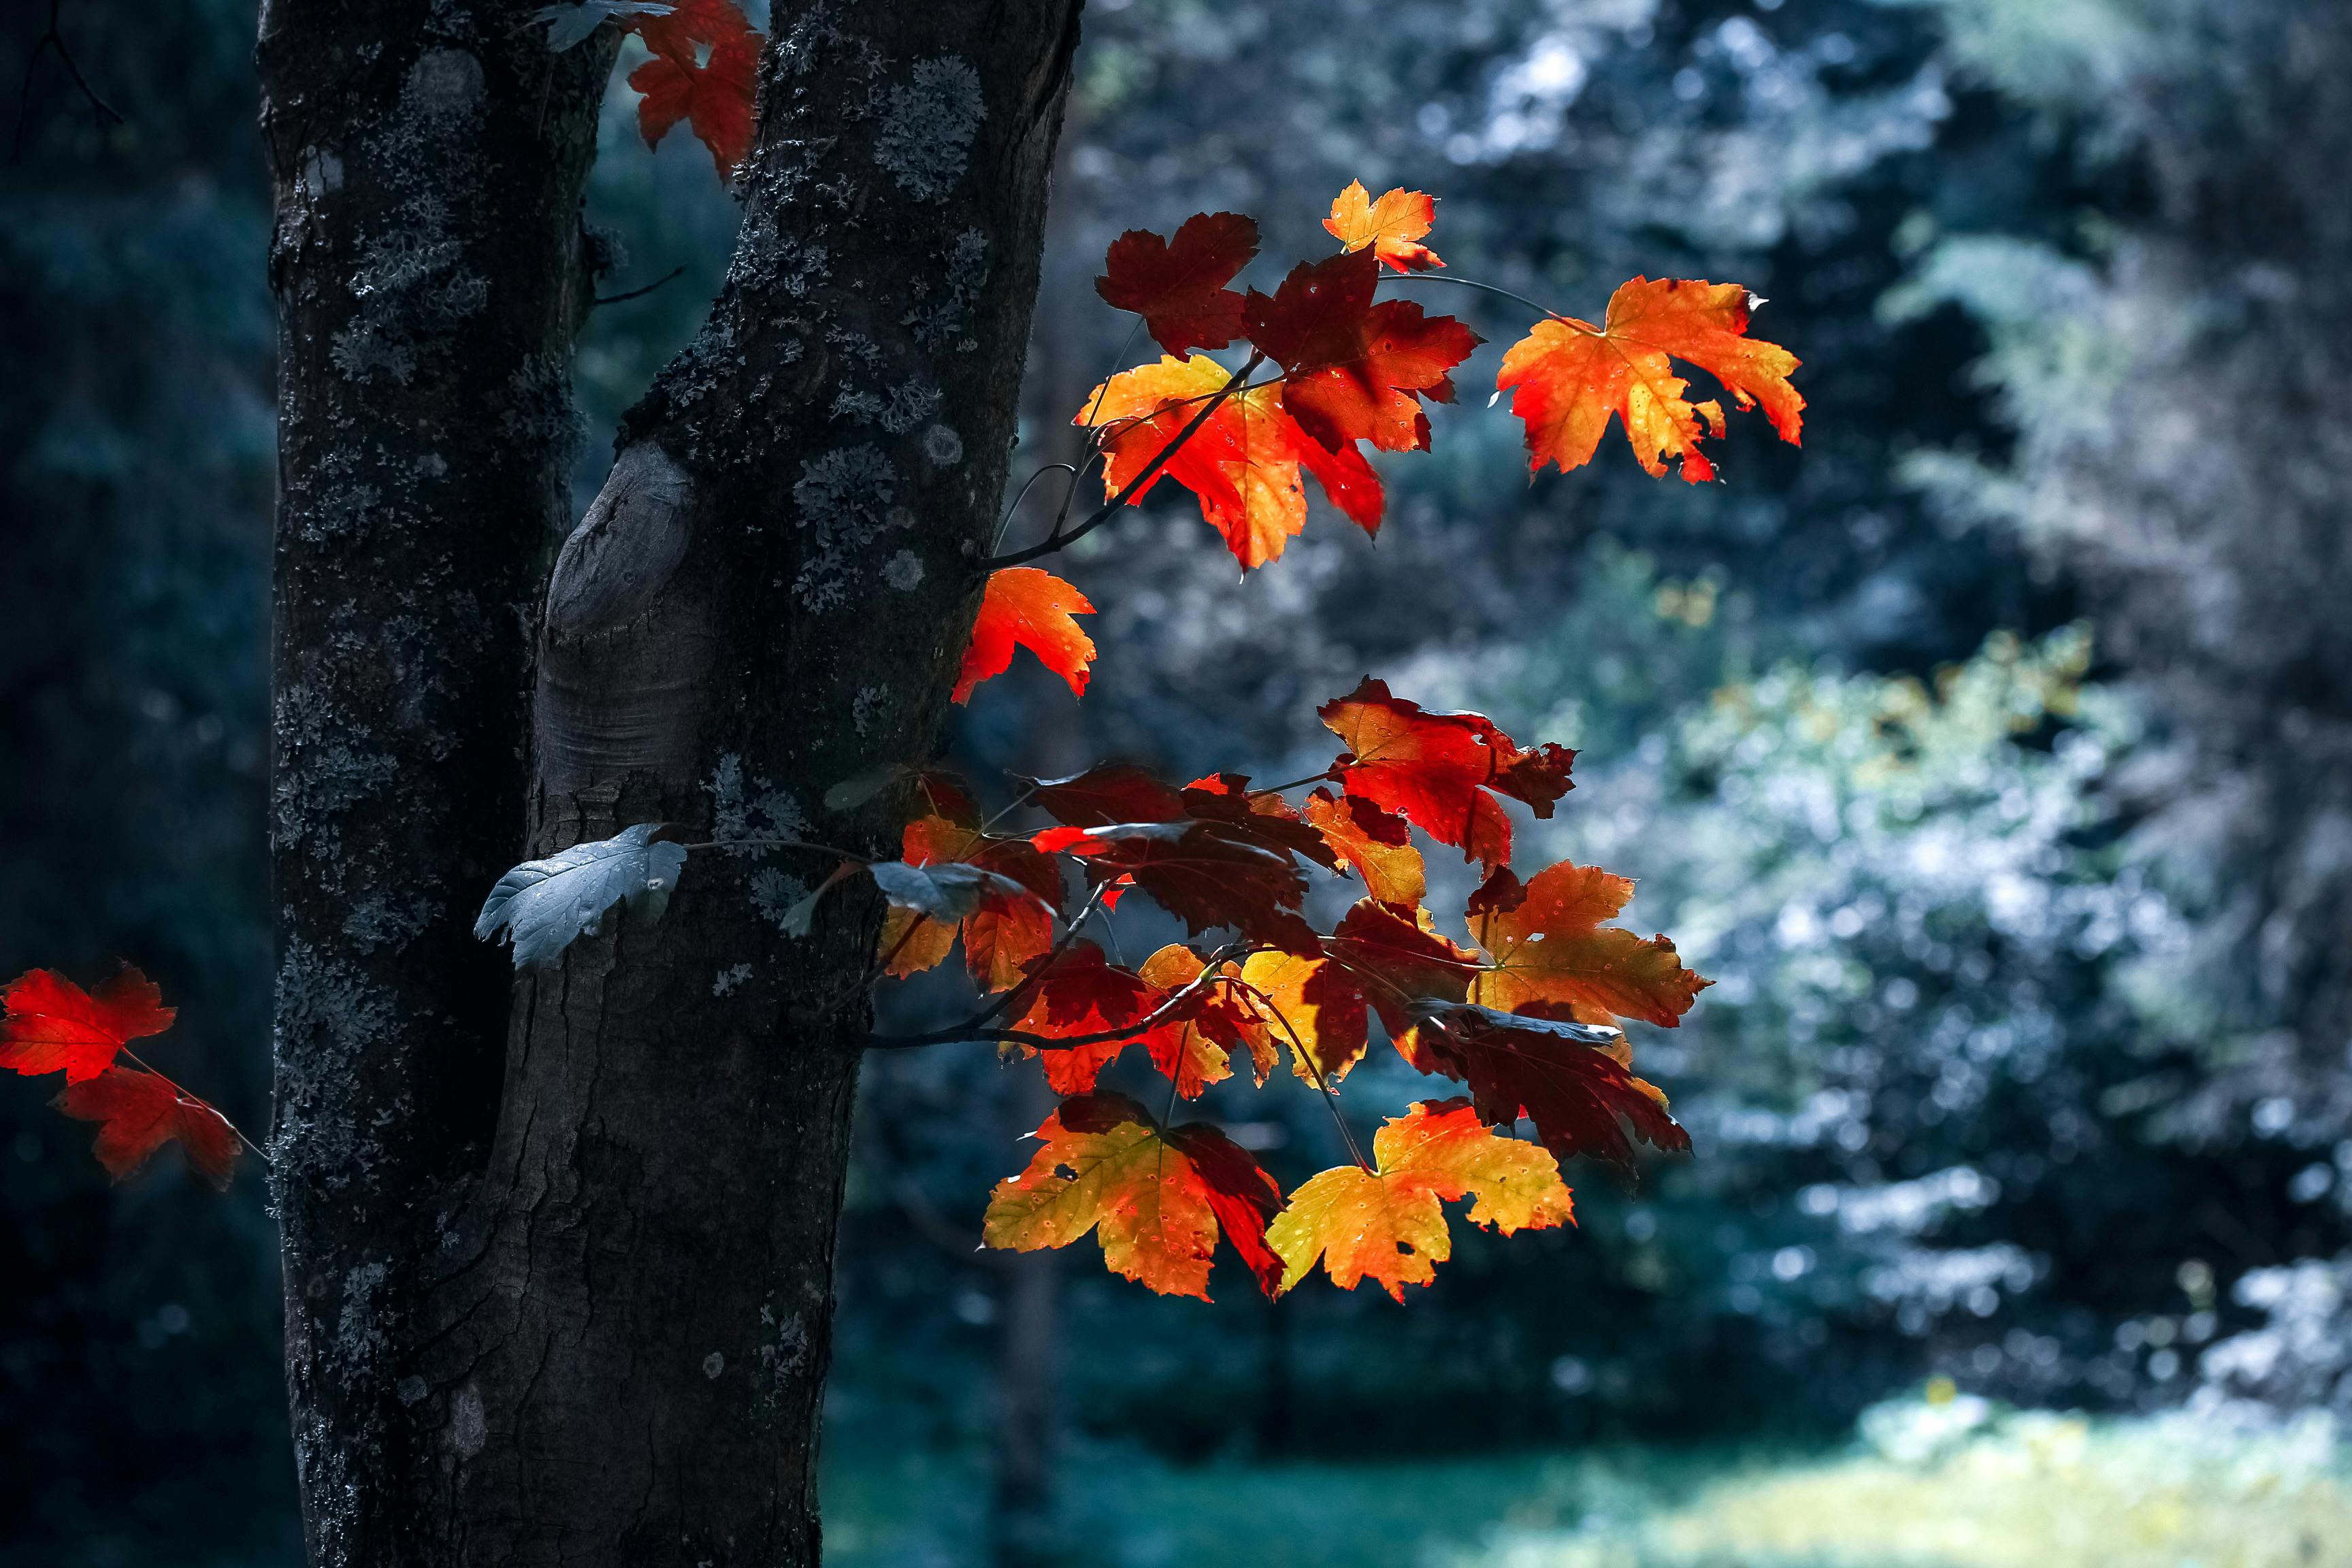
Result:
<point x="53" y="38"/>
<point x="672" y="275"/>
<point x="1310" y="778"/>
<point x="145" y="1067"/>
<point x="1059" y="539"/>
<point x="1489" y="288"/>
<point x="1300" y="1053"/>
<point x="975" y="1027"/>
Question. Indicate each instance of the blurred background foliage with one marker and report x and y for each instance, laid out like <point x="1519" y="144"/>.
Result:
<point x="1993" y="753"/>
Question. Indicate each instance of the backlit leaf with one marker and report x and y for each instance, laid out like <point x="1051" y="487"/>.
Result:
<point x="51" y="1024"/>
<point x="1442" y="771"/>
<point x="1178" y="286"/>
<point x="1391" y="227"/>
<point x="1031" y="608"/>
<point x="139" y="1112"/>
<point x="1388" y="1226"/>
<point x="1567" y="378"/>
<point x="1157" y="1201"/>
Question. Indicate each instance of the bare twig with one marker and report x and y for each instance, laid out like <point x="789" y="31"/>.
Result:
<point x="53" y="39"/>
<point x="672" y="275"/>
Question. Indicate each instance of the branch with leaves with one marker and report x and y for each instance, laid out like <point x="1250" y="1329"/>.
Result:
<point x="1526" y="1012"/>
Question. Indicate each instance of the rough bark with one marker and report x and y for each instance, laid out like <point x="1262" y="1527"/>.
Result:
<point x="769" y="596"/>
<point x="428" y="158"/>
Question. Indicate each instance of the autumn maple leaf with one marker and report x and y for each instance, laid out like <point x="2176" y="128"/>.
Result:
<point x="1195" y="1047"/>
<point x="1391" y="227"/>
<point x="1568" y="377"/>
<point x="1313" y="1005"/>
<point x="1243" y="463"/>
<point x="1569" y="1079"/>
<point x="1374" y="842"/>
<point x="51" y="1024"/>
<point x="1206" y="874"/>
<point x="139" y="1112"/>
<point x="704" y="64"/>
<point x="1031" y="608"/>
<point x="1003" y="934"/>
<point x="1178" y="286"/>
<point x="1156" y="1199"/>
<point x="1442" y="771"/>
<point x="1357" y="369"/>
<point x="1548" y="946"/>
<point x="1388" y="1226"/>
<point x="1078" y="993"/>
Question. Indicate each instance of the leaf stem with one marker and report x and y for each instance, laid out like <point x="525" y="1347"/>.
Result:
<point x="169" y="1083"/>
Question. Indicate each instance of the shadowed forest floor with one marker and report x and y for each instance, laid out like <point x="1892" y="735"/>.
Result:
<point x="1952" y="1486"/>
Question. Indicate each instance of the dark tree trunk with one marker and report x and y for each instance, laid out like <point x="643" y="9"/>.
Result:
<point x="428" y="160"/>
<point x="623" y="1348"/>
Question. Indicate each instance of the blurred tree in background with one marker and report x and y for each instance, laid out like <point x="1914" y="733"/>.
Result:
<point x="2027" y="1061"/>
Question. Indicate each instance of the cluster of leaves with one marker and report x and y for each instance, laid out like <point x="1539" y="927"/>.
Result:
<point x="1524" y="1015"/>
<point x="51" y="1024"/>
<point x="1351" y="371"/>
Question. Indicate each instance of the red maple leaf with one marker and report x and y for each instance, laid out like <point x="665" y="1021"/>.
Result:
<point x="704" y="71"/>
<point x="54" y="1026"/>
<point x="1032" y="609"/>
<point x="1442" y="771"/>
<point x="1178" y="286"/>
<point x="139" y="1112"/>
<point x="1570" y="1080"/>
<point x="1078" y="991"/>
<point x="1355" y="369"/>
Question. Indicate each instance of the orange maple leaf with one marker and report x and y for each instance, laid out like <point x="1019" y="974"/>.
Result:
<point x="1027" y="606"/>
<point x="1568" y="377"/>
<point x="1243" y="464"/>
<point x="1156" y="1198"/>
<point x="1393" y="225"/>
<point x="1003" y="934"/>
<point x="139" y="1112"/>
<point x="1375" y="843"/>
<point x="1178" y="286"/>
<point x="1442" y="771"/>
<point x="1389" y="1224"/>
<point x="1548" y="946"/>
<point x="54" y="1026"/>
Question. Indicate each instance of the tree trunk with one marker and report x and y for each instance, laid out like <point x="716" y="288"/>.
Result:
<point x="428" y="163"/>
<point x="623" y="1354"/>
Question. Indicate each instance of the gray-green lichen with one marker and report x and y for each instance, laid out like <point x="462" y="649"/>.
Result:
<point x="936" y="321"/>
<point x="841" y="504"/>
<point x="926" y="126"/>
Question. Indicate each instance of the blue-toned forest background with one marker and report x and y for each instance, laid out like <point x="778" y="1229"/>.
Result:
<point x="1993" y="753"/>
